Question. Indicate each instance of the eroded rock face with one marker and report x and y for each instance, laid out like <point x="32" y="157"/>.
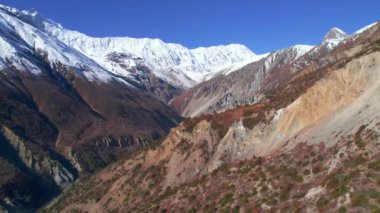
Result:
<point x="41" y="163"/>
<point x="243" y="86"/>
<point x="248" y="85"/>
<point x="30" y="174"/>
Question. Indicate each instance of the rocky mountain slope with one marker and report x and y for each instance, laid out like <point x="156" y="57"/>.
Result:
<point x="245" y="86"/>
<point x="62" y="114"/>
<point x="310" y="144"/>
<point x="71" y="104"/>
<point x="235" y="89"/>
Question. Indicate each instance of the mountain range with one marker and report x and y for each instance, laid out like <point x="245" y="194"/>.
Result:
<point x="140" y="125"/>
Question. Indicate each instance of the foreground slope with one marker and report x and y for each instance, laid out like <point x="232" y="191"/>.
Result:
<point x="312" y="144"/>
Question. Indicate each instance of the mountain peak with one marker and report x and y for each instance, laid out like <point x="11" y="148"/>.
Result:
<point x="32" y="12"/>
<point x="335" y="33"/>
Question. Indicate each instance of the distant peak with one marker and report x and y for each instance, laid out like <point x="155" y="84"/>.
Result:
<point x="335" y="33"/>
<point x="335" y="29"/>
<point x="32" y="12"/>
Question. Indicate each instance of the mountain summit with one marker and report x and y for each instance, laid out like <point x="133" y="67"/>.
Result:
<point x="335" y="34"/>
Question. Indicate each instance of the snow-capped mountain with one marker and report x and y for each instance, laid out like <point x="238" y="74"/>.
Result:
<point x="334" y="37"/>
<point x="150" y="65"/>
<point x="174" y="63"/>
<point x="21" y="40"/>
<point x="335" y="33"/>
<point x="188" y="67"/>
<point x="171" y="62"/>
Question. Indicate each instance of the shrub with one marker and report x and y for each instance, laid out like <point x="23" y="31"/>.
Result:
<point x="285" y="191"/>
<point x="338" y="183"/>
<point x="342" y="210"/>
<point x="220" y="129"/>
<point x="184" y="146"/>
<point x="316" y="169"/>
<point x="358" y="199"/>
<point x="374" y="165"/>
<point x="358" y="138"/>
<point x="137" y="168"/>
<point x="249" y="123"/>
<point x="190" y="124"/>
<point x="354" y="162"/>
<point x="226" y="199"/>
<point x="248" y="113"/>
<point x="264" y="189"/>
<point x="306" y="172"/>
<point x="322" y="202"/>
<point x="291" y="172"/>
<point x="378" y="181"/>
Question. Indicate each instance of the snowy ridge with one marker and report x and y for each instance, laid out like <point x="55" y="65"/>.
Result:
<point x="365" y="28"/>
<point x="172" y="62"/>
<point x="301" y="49"/>
<point x="28" y="32"/>
<point x="160" y="57"/>
<point x="289" y="54"/>
<point x="20" y="40"/>
<point x="234" y="67"/>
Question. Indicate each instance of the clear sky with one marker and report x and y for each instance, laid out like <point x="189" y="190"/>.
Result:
<point x="262" y="25"/>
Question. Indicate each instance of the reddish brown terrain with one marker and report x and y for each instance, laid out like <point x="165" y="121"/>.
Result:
<point x="309" y="145"/>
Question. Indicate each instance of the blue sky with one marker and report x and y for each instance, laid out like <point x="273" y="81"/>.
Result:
<point x="262" y="25"/>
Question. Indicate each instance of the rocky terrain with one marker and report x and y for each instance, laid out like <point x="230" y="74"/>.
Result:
<point x="310" y="143"/>
<point x="95" y="123"/>
<point x="246" y="85"/>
